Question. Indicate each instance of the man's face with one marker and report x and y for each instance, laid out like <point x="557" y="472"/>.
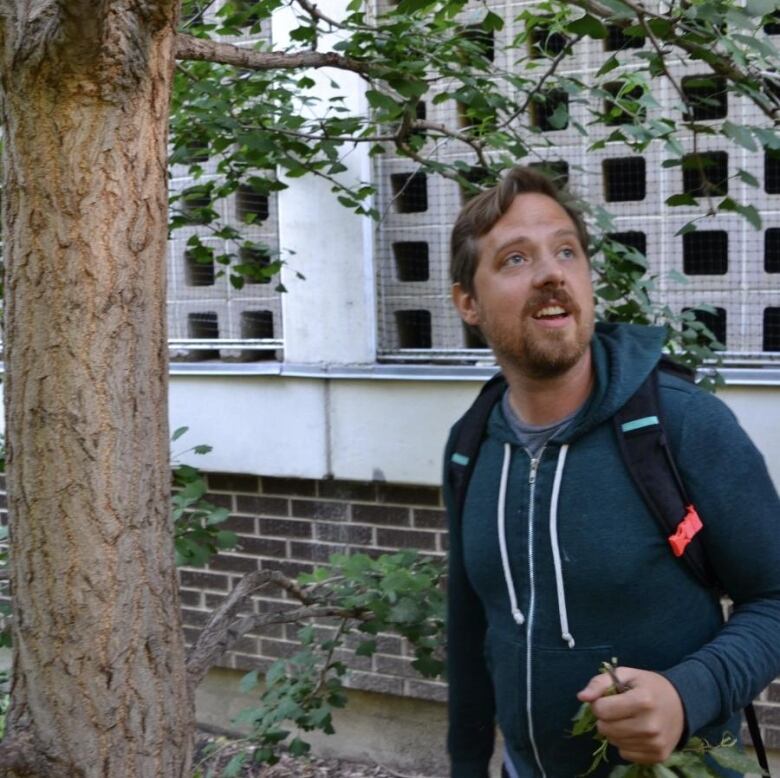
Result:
<point x="532" y="296"/>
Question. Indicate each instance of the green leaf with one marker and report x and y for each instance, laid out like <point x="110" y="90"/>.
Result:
<point x="178" y="433"/>
<point x="740" y="135"/>
<point x="749" y="179"/>
<point x="681" y="199"/>
<point x="299" y="747"/>
<point x="248" y="682"/>
<point x="587" y="25"/>
<point x="233" y="768"/>
<point x="760" y="7"/>
<point x="202" y="449"/>
<point x="734" y="759"/>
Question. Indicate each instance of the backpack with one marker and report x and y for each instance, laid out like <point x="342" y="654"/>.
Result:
<point x="643" y="446"/>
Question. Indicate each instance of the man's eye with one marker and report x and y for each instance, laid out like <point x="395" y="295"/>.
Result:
<point x="568" y="253"/>
<point x="515" y="259"/>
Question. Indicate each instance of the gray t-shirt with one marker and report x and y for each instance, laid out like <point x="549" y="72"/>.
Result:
<point x="532" y="437"/>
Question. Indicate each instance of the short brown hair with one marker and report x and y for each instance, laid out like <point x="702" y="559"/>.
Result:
<point x="480" y="213"/>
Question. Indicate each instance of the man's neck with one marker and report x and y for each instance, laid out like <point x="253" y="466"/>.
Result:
<point x="542" y="401"/>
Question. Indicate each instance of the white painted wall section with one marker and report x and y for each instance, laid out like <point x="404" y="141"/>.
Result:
<point x="328" y="318"/>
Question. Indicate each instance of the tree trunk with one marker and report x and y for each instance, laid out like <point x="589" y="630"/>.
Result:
<point x="99" y="682"/>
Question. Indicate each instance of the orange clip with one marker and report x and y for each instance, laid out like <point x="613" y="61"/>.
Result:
<point x="685" y="532"/>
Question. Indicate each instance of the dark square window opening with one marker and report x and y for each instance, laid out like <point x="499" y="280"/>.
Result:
<point x="772" y="250"/>
<point x="411" y="260"/>
<point x="476" y="179"/>
<point x="624" y="179"/>
<point x="772" y="329"/>
<point x="414" y="328"/>
<point x="257" y="325"/>
<point x="772" y="171"/>
<point x="706" y="97"/>
<point x="706" y="253"/>
<point x="706" y="174"/>
<point x="199" y="268"/>
<point x="203" y="326"/>
<point x="410" y="192"/>
<point x="483" y="40"/>
<point x="615" y="110"/>
<point x="546" y="43"/>
<point x="550" y="111"/>
<point x="557" y="170"/>
<point x="714" y="321"/>
<point x="253" y="265"/>
<point x="773" y="27"/>
<point x="619" y="38"/>
<point x="251" y="206"/>
<point x="632" y="239"/>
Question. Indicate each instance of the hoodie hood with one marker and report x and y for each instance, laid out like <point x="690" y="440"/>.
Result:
<point x="623" y="356"/>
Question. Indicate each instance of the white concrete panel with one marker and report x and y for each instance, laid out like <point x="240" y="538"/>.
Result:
<point x="394" y="430"/>
<point x="329" y="318"/>
<point x="758" y="411"/>
<point x="261" y="425"/>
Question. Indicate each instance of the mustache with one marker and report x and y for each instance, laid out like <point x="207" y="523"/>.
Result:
<point x="543" y="299"/>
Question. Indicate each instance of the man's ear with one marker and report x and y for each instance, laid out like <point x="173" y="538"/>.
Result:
<point x="466" y="303"/>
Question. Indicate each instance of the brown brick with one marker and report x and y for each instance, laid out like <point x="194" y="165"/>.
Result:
<point x="444" y="541"/>
<point x="347" y="490"/>
<point x="243" y="525"/>
<point x="233" y="482"/>
<point x="429" y="518"/>
<point x="196" y="579"/>
<point x="319" y="509"/>
<point x="289" y="567"/>
<point x="190" y="598"/>
<point x="233" y="564"/>
<point x="263" y="547"/>
<point x="394" y="665"/>
<point x="773" y="692"/>
<point x="315" y="552"/>
<point x="278" y="648"/>
<point x="351" y="660"/>
<point x="768" y="714"/>
<point x="192" y="618"/>
<point x="405" y="538"/>
<point x="191" y="635"/>
<point x="386" y="644"/>
<point x="296" y="487"/>
<point x="285" y="528"/>
<point x="343" y="533"/>
<point x="247" y="663"/>
<point x="245" y="645"/>
<point x="381" y="514"/>
<point x="408" y="494"/>
<point x="426" y="690"/>
<point x="371" y="682"/>
<point x="262" y="506"/>
<point x="214" y="600"/>
<point x="220" y="500"/>
<point x="771" y="737"/>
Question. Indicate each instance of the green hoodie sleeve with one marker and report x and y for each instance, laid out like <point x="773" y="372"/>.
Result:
<point x="733" y="492"/>
<point x="471" y="705"/>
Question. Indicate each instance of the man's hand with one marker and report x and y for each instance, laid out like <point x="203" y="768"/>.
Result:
<point x="646" y="722"/>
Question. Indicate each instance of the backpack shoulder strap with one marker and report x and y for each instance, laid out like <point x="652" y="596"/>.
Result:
<point x="645" y="450"/>
<point x="468" y="439"/>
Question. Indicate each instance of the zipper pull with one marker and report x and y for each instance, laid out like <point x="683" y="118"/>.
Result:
<point x="532" y="474"/>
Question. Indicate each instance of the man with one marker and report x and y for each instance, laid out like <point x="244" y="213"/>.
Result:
<point x="556" y="563"/>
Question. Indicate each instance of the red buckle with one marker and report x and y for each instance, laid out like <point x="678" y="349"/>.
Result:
<point x="685" y="532"/>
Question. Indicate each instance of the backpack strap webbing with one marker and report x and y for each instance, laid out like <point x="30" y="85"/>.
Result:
<point x="469" y="439"/>
<point x="645" y="450"/>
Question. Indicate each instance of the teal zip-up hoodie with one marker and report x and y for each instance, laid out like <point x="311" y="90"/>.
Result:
<point x="586" y="575"/>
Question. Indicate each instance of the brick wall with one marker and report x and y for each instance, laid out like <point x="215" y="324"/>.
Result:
<point x="293" y="525"/>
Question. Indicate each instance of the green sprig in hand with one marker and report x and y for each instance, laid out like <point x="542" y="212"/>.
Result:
<point x="687" y="762"/>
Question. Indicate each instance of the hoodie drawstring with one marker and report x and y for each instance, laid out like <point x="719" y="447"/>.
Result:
<point x="517" y="614"/>
<point x="562" y="614"/>
<point x="510" y="584"/>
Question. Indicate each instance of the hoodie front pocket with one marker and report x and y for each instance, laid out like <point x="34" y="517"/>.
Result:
<point x="506" y="662"/>
<point x="558" y="674"/>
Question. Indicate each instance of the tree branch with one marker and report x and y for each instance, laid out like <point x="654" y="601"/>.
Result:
<point x="191" y="48"/>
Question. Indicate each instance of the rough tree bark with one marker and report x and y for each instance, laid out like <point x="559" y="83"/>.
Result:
<point x="99" y="682"/>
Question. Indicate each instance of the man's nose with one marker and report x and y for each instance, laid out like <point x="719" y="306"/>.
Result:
<point x="548" y="272"/>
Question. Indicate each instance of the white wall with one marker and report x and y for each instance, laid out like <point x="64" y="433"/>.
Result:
<point x="365" y="429"/>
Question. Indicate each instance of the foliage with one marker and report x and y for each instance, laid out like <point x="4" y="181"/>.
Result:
<point x="696" y="759"/>
<point x="197" y="532"/>
<point x="255" y="129"/>
<point x="395" y="593"/>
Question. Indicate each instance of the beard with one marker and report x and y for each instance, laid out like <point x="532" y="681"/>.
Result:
<point x="539" y="353"/>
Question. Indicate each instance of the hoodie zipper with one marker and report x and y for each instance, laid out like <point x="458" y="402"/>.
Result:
<point x="529" y="625"/>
